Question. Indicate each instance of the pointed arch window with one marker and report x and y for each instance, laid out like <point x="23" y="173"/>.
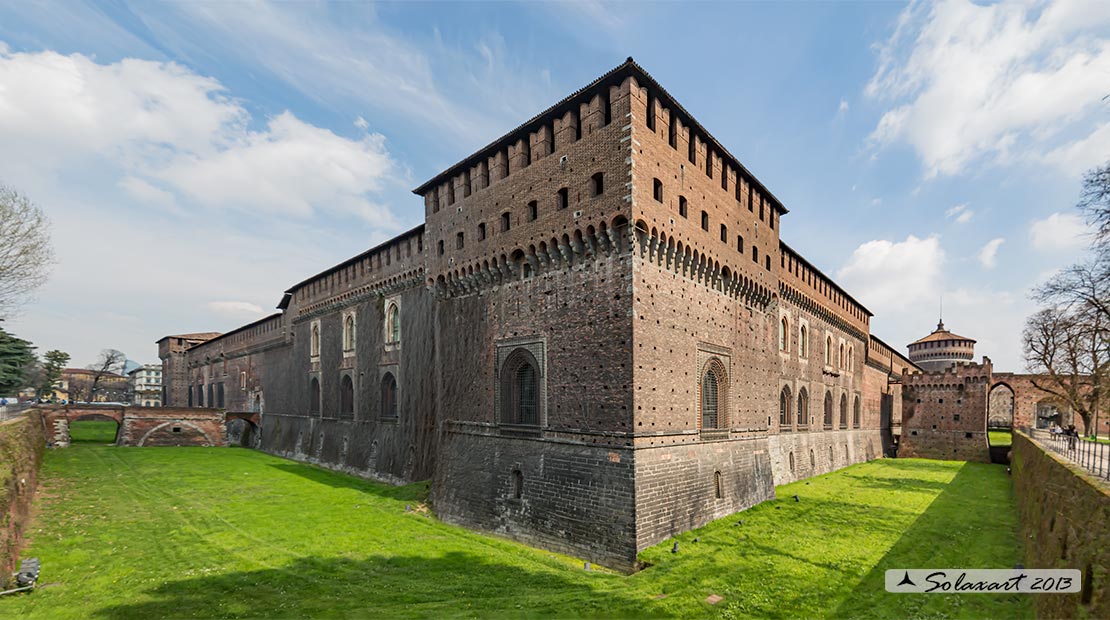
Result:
<point x="843" y="411"/>
<point x="349" y="333"/>
<point x="393" y="324"/>
<point x="314" y="396"/>
<point x="803" y="408"/>
<point x="785" y="406"/>
<point x="828" y="350"/>
<point x="784" y="334"/>
<point x="713" y="392"/>
<point x="840" y="358"/>
<point x="803" y="341"/>
<point x="520" y="389"/>
<point x="828" y="410"/>
<point x="346" y="396"/>
<point x="855" y="413"/>
<point x="314" y="341"/>
<point x="389" y="396"/>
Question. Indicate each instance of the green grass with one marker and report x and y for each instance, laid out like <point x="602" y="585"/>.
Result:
<point x="217" y="532"/>
<point x="92" y="431"/>
<point x="1000" y="438"/>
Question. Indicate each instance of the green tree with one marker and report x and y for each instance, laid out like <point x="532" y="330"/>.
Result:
<point x="17" y="357"/>
<point x="52" y="365"/>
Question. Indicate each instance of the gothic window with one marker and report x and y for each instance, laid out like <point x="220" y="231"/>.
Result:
<point x="346" y="396"/>
<point x="520" y="394"/>
<point x="828" y="409"/>
<point x="393" y="324"/>
<point x="803" y="341"/>
<point x="784" y="334"/>
<point x="682" y="206"/>
<point x="349" y="333"/>
<point x="717" y="487"/>
<point x="389" y="396"/>
<point x="840" y="359"/>
<point x="855" y="413"/>
<point x="314" y="396"/>
<point x="714" y="386"/>
<point x="843" y="411"/>
<point x="828" y="350"/>
<point x="314" y="343"/>
<point x="657" y="190"/>
<point x="803" y="407"/>
<point x="785" y="403"/>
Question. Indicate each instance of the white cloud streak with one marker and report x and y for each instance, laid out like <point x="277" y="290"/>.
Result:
<point x="996" y="83"/>
<point x="988" y="255"/>
<point x="1058" y="232"/>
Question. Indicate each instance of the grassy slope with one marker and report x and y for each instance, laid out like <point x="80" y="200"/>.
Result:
<point x="1000" y="438"/>
<point x="196" y="532"/>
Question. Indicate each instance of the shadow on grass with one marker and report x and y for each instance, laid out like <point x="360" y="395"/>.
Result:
<point x="453" y="584"/>
<point x="916" y="485"/>
<point x="962" y="528"/>
<point x="415" y="492"/>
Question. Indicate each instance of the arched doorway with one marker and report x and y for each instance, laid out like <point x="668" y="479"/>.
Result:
<point x="1000" y="416"/>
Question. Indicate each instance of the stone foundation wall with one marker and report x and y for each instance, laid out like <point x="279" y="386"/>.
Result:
<point x="681" y="487"/>
<point x="172" y="426"/>
<point x="795" y="456"/>
<point x="568" y="497"/>
<point x="1063" y="514"/>
<point x="21" y="448"/>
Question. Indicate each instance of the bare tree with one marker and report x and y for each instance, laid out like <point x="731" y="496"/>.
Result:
<point x="107" y="367"/>
<point x="1072" y="358"/>
<point x="25" y="252"/>
<point x="1094" y="201"/>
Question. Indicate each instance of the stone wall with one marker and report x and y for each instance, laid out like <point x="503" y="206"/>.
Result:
<point x="1063" y="514"/>
<point x="21" y="448"/>
<point x="796" y="456"/>
<point x="944" y="414"/>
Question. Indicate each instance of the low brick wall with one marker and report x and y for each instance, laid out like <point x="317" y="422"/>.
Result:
<point x="21" y="449"/>
<point x="1065" y="523"/>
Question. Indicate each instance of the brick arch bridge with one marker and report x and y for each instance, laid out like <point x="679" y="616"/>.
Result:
<point x="146" y="426"/>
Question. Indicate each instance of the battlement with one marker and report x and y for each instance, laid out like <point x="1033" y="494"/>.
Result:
<point x="269" y="328"/>
<point x="799" y="274"/>
<point x="951" y="378"/>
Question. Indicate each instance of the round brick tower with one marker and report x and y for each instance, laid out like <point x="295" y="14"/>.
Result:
<point x="942" y="349"/>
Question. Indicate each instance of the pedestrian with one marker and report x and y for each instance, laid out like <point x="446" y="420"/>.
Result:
<point x="1072" y="436"/>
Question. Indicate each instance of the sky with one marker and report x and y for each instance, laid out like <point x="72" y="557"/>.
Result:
<point x="196" y="159"/>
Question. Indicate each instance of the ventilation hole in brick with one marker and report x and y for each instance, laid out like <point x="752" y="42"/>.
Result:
<point x="177" y="429"/>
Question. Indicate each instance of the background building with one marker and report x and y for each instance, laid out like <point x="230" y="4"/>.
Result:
<point x="145" y="385"/>
<point x="941" y="350"/>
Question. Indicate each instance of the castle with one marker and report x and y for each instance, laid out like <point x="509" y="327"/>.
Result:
<point x="595" y="341"/>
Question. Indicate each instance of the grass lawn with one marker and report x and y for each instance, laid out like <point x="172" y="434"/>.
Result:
<point x="93" y="431"/>
<point x="225" y="532"/>
<point x="1000" y="438"/>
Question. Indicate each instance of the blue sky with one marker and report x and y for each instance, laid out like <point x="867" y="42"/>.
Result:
<point x="198" y="158"/>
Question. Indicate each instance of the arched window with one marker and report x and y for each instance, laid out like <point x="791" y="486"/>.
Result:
<point x="843" y="411"/>
<point x="784" y="334"/>
<point x="520" y="389"/>
<point x="791" y="462"/>
<point x="657" y="190"/>
<point x="314" y="341"/>
<point x="597" y="184"/>
<point x="828" y="350"/>
<point x="314" y="396"/>
<point x="803" y="342"/>
<point x="828" y="409"/>
<point x="713" y="391"/>
<point x="389" y="396"/>
<point x="393" y="324"/>
<point x="851" y="358"/>
<point x="719" y="492"/>
<point x="840" y="358"/>
<point x="518" y="484"/>
<point x="855" y="413"/>
<point x="349" y="333"/>
<point x="785" y="403"/>
<point x="803" y="408"/>
<point x="346" y="396"/>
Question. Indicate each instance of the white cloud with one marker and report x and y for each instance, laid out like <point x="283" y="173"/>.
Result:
<point x="843" y="107"/>
<point x="1057" y="232"/>
<point x="361" y="123"/>
<point x="235" y="308"/>
<point x="893" y="276"/>
<point x="169" y="133"/>
<point x="997" y="82"/>
<point x="988" y="256"/>
<point x="960" y="213"/>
